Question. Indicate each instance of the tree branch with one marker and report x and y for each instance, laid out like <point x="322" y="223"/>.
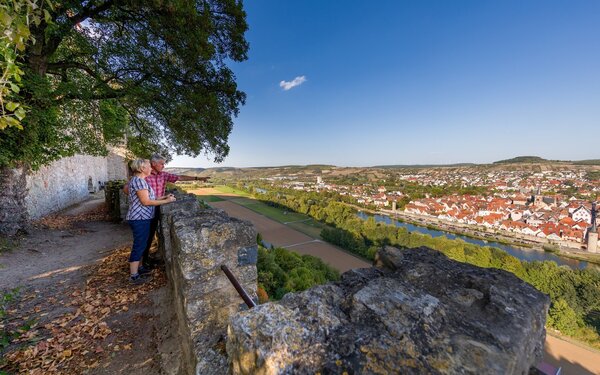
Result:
<point x="88" y="12"/>
<point x="61" y="65"/>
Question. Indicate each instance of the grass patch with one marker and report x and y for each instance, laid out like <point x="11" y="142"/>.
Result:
<point x="310" y="228"/>
<point x="7" y="335"/>
<point x="243" y="201"/>
<point x="550" y="248"/>
<point x="277" y="214"/>
<point x="7" y="244"/>
<point x="210" y="198"/>
<point x="230" y="190"/>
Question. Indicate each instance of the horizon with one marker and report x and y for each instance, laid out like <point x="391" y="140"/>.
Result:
<point x="169" y="165"/>
<point x="415" y="83"/>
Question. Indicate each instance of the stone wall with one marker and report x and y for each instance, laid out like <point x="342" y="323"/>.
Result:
<point x="27" y="195"/>
<point x="416" y="312"/>
<point x="62" y="183"/>
<point x="116" y="164"/>
<point x="195" y="242"/>
<point x="13" y="213"/>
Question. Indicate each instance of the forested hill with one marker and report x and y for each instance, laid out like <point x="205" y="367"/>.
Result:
<point x="539" y="160"/>
<point x="524" y="159"/>
<point x="408" y="166"/>
<point x="186" y="171"/>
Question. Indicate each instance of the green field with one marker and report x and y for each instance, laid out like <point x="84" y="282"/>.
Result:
<point x="311" y="228"/>
<point x="230" y="190"/>
<point x="210" y="198"/>
<point x="242" y="201"/>
<point x="277" y="214"/>
<point x="300" y="222"/>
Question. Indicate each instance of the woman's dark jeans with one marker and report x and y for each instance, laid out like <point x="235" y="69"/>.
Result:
<point x="141" y="232"/>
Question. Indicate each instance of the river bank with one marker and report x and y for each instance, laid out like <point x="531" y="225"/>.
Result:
<point x="521" y="248"/>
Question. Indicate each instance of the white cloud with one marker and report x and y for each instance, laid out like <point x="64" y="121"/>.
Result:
<point x="293" y="83"/>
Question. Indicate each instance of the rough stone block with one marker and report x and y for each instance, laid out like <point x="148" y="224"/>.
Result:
<point x="195" y="243"/>
<point x="248" y="255"/>
<point x="417" y="313"/>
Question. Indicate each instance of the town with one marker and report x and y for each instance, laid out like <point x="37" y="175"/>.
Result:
<point x="548" y="206"/>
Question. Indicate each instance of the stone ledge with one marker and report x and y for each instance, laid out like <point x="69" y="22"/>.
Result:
<point x="417" y="312"/>
<point x="195" y="242"/>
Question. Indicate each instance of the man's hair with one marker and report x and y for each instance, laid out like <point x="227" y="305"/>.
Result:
<point x="156" y="157"/>
<point x="137" y="164"/>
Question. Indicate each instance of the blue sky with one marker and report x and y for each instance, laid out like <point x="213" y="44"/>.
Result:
<point x="416" y="82"/>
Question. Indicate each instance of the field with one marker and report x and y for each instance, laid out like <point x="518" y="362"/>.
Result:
<point x="282" y="235"/>
<point x="296" y="221"/>
<point x="309" y="227"/>
<point x="211" y="198"/>
<point x="230" y="190"/>
<point x="275" y="213"/>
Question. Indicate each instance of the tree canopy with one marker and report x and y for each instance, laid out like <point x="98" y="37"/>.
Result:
<point x="153" y="71"/>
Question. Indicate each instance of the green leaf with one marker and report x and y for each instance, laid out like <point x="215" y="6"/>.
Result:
<point x="20" y="113"/>
<point x="5" y="19"/>
<point x="12" y="122"/>
<point x="11" y="106"/>
<point x="47" y="16"/>
<point x="15" y="88"/>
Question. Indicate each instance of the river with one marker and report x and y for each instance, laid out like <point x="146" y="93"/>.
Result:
<point x="521" y="253"/>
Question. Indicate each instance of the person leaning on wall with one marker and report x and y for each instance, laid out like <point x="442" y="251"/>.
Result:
<point x="158" y="179"/>
<point x="142" y="204"/>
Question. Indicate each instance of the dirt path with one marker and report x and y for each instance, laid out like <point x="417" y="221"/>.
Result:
<point x="74" y="311"/>
<point x="280" y="235"/>
<point x="574" y="359"/>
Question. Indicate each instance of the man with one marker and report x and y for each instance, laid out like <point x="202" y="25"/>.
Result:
<point x="158" y="181"/>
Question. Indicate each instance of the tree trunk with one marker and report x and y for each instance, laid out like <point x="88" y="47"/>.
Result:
<point x="13" y="215"/>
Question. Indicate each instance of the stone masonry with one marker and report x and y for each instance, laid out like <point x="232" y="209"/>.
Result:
<point x="13" y="191"/>
<point x="416" y="312"/>
<point x="195" y="242"/>
<point x="28" y="195"/>
<point x="62" y="183"/>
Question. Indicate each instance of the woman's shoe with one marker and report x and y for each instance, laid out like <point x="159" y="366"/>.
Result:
<point x="138" y="279"/>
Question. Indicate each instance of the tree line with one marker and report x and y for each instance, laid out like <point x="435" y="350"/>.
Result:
<point x="281" y="271"/>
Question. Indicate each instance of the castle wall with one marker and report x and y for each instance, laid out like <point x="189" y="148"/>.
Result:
<point x="62" y="183"/>
<point x="13" y="213"/>
<point x="116" y="165"/>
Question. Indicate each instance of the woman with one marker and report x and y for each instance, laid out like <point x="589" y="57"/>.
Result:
<point x="140" y="214"/>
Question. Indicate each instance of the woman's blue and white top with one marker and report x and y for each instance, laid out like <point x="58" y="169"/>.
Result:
<point x="137" y="211"/>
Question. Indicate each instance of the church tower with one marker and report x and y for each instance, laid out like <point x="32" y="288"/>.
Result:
<point x="592" y="235"/>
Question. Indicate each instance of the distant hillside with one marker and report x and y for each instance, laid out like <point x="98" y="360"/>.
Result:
<point x="587" y="162"/>
<point x="407" y="166"/>
<point x="524" y="159"/>
<point x="537" y="159"/>
<point x="185" y="171"/>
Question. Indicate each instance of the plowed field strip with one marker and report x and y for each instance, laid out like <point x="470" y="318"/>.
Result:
<point x="280" y="235"/>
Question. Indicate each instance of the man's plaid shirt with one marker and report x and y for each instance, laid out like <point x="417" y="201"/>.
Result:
<point x="158" y="181"/>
